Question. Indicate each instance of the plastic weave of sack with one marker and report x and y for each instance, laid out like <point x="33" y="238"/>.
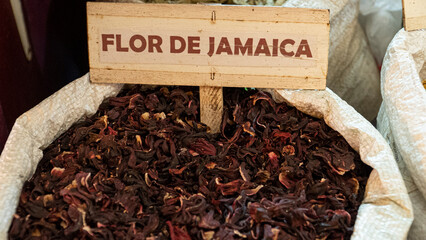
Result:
<point x="402" y="117"/>
<point x="381" y="20"/>
<point x="386" y="210"/>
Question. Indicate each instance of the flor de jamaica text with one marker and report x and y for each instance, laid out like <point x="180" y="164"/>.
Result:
<point x="247" y="46"/>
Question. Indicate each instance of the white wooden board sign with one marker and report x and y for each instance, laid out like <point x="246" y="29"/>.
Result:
<point x="208" y="45"/>
<point x="414" y="12"/>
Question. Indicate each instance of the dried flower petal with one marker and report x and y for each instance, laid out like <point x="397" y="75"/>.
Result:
<point x="177" y="171"/>
<point x="211" y="165"/>
<point x="288" y="150"/>
<point x="284" y="180"/>
<point x="145" y="116"/>
<point x="159" y="116"/>
<point x="144" y="167"/>
<point x="203" y="147"/>
<point x="177" y="233"/>
<point x="57" y="172"/>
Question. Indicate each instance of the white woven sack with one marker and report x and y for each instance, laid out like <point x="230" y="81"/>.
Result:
<point x="386" y="210"/>
<point x="402" y="117"/>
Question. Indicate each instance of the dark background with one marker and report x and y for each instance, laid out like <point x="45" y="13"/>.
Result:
<point x="57" y="33"/>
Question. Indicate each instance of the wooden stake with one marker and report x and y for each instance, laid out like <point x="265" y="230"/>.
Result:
<point x="211" y="105"/>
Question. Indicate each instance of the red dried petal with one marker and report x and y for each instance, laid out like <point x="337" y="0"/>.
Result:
<point x="57" y="172"/>
<point x="208" y="222"/>
<point x="258" y="213"/>
<point x="273" y="158"/>
<point x="210" y="165"/>
<point x="244" y="173"/>
<point x="282" y="135"/>
<point x="177" y="171"/>
<point x="253" y="191"/>
<point x="248" y="129"/>
<point x="111" y="131"/>
<point x="230" y="187"/>
<point x="288" y="150"/>
<point x="284" y="180"/>
<point x="203" y="147"/>
<point x="177" y="233"/>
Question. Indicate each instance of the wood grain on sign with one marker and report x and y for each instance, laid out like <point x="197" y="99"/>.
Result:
<point x="414" y="12"/>
<point x="178" y="44"/>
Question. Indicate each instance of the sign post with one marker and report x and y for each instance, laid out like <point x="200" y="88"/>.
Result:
<point x="211" y="46"/>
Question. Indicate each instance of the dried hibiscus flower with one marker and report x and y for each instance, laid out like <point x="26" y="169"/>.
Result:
<point x="144" y="167"/>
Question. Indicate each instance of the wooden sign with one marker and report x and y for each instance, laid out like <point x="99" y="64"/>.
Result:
<point x="210" y="46"/>
<point x="414" y="12"/>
